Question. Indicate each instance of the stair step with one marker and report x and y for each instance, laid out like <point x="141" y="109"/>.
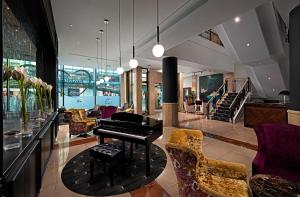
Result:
<point x="220" y="118"/>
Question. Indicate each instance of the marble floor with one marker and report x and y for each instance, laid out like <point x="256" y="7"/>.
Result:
<point x="215" y="145"/>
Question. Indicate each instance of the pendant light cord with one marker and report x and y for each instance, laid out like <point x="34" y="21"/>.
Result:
<point x="101" y="53"/>
<point x="106" y="46"/>
<point x="120" y="32"/>
<point x="157" y="21"/>
<point x="97" y="52"/>
<point x="133" y="52"/>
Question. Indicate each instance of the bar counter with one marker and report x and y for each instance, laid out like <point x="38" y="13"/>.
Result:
<point x="258" y="113"/>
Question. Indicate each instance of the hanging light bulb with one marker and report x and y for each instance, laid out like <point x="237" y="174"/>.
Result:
<point x="120" y="70"/>
<point x="106" y="78"/>
<point x="133" y="63"/>
<point x="158" y="49"/>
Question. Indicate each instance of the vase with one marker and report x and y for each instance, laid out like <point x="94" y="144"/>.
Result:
<point x="26" y="126"/>
<point x="12" y="137"/>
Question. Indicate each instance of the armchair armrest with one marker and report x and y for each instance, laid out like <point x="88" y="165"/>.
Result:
<point x="258" y="163"/>
<point x="227" y="169"/>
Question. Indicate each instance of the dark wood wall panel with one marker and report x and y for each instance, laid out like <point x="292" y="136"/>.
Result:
<point x="259" y="113"/>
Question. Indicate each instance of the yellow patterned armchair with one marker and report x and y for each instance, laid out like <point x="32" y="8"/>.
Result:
<point x="79" y="123"/>
<point x="199" y="176"/>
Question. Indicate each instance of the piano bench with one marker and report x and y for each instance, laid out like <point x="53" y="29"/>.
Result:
<point x="109" y="154"/>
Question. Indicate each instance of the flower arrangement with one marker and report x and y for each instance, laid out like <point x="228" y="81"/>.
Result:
<point x="20" y="74"/>
<point x="37" y="83"/>
<point x="49" y="97"/>
<point x="41" y="88"/>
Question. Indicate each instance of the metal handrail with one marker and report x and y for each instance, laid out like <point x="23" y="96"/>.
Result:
<point x="234" y="100"/>
<point x="217" y="91"/>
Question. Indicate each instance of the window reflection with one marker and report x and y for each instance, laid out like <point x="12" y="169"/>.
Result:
<point x="18" y="50"/>
<point x="78" y="86"/>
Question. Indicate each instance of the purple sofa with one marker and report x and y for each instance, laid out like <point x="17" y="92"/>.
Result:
<point x="278" y="151"/>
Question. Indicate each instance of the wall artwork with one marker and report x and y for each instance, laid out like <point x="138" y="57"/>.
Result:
<point x="208" y="85"/>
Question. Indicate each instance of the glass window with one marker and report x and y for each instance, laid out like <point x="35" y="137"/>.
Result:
<point x="18" y="50"/>
<point x="78" y="87"/>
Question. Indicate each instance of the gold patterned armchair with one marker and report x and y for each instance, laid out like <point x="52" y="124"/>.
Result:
<point x="199" y="176"/>
<point x="79" y="123"/>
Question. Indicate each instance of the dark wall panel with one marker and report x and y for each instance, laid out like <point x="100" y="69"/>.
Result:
<point x="294" y="37"/>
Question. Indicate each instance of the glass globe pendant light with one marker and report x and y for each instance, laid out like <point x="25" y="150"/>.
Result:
<point x="120" y="70"/>
<point x="106" y="78"/>
<point x="133" y="63"/>
<point x="158" y="49"/>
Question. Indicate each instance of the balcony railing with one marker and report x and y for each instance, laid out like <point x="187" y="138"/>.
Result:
<point x="212" y="36"/>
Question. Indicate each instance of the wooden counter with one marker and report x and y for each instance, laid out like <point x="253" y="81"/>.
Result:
<point x="257" y="113"/>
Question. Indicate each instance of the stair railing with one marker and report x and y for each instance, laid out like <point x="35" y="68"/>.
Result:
<point x="239" y="98"/>
<point x="211" y="104"/>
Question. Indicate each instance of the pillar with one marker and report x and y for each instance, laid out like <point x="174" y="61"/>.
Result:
<point x="137" y="90"/>
<point x="294" y="38"/>
<point x="170" y="92"/>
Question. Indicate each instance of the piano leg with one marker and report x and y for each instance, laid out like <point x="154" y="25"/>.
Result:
<point x="101" y="139"/>
<point x="131" y="151"/>
<point x="147" y="159"/>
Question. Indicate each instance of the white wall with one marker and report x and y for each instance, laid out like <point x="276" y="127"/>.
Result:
<point x="187" y="82"/>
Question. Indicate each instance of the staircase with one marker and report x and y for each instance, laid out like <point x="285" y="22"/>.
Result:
<point x="222" y="110"/>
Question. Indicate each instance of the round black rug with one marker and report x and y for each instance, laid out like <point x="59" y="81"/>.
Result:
<point x="76" y="173"/>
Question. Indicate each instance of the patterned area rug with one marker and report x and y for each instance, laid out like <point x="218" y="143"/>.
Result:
<point x="76" y="173"/>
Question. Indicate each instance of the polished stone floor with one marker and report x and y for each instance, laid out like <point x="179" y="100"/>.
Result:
<point x="226" y="141"/>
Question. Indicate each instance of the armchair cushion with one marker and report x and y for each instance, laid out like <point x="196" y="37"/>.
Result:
<point x="227" y="169"/>
<point x="200" y="176"/>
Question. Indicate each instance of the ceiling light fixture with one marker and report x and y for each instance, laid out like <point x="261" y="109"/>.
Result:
<point x="248" y="44"/>
<point x="133" y="63"/>
<point x="237" y="19"/>
<point x="120" y="70"/>
<point x="158" y="49"/>
<point x="106" y="78"/>
<point x="101" y="80"/>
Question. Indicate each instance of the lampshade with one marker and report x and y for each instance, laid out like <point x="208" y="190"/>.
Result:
<point x="120" y="70"/>
<point x="158" y="50"/>
<point x="133" y="63"/>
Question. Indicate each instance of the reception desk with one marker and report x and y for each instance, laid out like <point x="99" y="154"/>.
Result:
<point x="258" y="113"/>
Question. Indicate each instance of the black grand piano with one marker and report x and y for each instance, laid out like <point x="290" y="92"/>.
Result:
<point x="132" y="128"/>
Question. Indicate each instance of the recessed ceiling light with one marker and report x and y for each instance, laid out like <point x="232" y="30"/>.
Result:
<point x="237" y="19"/>
<point x="273" y="90"/>
<point x="269" y="78"/>
<point x="248" y="44"/>
<point x="70" y="25"/>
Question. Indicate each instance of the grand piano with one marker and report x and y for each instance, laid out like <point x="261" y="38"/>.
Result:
<point x="132" y="128"/>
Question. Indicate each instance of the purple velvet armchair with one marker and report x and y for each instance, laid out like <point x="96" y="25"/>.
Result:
<point x="108" y="111"/>
<point x="278" y="151"/>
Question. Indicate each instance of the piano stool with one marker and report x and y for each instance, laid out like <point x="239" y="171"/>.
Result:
<point x="109" y="154"/>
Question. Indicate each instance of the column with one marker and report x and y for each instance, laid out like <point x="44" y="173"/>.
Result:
<point x="170" y="92"/>
<point x="137" y="90"/>
<point x="294" y="38"/>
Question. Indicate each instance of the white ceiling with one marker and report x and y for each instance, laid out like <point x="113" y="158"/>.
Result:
<point x="185" y="19"/>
